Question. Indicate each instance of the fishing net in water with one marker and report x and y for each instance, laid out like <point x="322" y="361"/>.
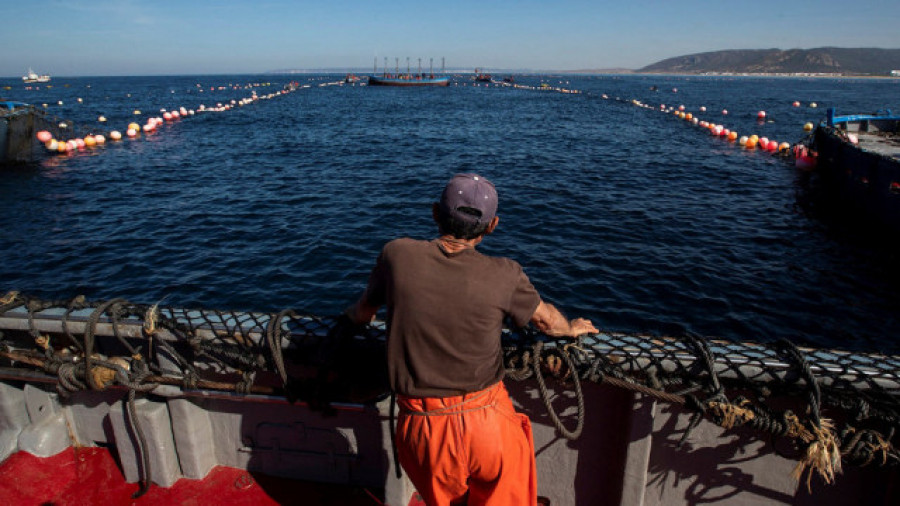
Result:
<point x="834" y="407"/>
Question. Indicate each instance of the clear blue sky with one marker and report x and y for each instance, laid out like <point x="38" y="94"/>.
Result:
<point x="128" y="37"/>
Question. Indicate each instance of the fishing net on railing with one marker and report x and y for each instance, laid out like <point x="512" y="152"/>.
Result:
<point x="833" y="406"/>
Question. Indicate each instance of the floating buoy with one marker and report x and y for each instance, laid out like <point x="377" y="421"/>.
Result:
<point x="814" y="105"/>
<point x="137" y="112"/>
<point x="702" y="108"/>
<point x="100" y="139"/>
<point x="134" y="126"/>
<point x="743" y="140"/>
<point x="62" y="147"/>
<point x="89" y="141"/>
<point x="44" y="136"/>
<point x="149" y="127"/>
<point x="79" y="100"/>
<point x="784" y="147"/>
<point x="725" y="112"/>
<point x="175" y="115"/>
<point x="71" y="146"/>
<point x="853" y="138"/>
<point x="59" y="103"/>
<point x="79" y="143"/>
<point x="808" y="127"/>
<point x="131" y="132"/>
<point x="772" y="145"/>
<point x="751" y="142"/>
<point x="52" y="145"/>
<point x="167" y="116"/>
<point x="796" y="104"/>
<point x="680" y="107"/>
<point x="115" y="135"/>
<point x="761" y="114"/>
<point x="732" y="136"/>
<point x="688" y="116"/>
<point x="62" y="125"/>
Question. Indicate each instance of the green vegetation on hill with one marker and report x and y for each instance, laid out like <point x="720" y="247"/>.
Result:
<point x="823" y="60"/>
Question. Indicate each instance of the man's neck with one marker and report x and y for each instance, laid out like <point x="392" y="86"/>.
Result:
<point x="452" y="244"/>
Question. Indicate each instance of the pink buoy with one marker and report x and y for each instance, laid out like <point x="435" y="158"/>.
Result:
<point x="100" y="139"/>
<point x="175" y="115"/>
<point x="725" y="112"/>
<point x="680" y="107"/>
<point x="772" y="146"/>
<point x="167" y="116"/>
<point x="702" y="108"/>
<point x="115" y="135"/>
<point x="44" y="136"/>
<point x="761" y="114"/>
<point x="79" y="143"/>
<point x="796" y="104"/>
<point x="131" y="133"/>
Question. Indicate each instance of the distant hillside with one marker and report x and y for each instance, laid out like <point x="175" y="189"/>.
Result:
<point x="823" y="60"/>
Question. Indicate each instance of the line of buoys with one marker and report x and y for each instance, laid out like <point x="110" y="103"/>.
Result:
<point x="134" y="129"/>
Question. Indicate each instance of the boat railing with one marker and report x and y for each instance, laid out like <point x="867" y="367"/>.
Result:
<point x="833" y="120"/>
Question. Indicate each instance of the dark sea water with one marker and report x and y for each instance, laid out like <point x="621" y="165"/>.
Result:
<point x="627" y="216"/>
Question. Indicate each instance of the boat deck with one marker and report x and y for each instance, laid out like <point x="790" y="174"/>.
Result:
<point x="882" y="143"/>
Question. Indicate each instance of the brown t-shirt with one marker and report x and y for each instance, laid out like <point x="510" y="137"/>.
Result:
<point x="445" y="315"/>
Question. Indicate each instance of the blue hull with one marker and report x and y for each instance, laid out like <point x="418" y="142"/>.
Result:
<point x="408" y="81"/>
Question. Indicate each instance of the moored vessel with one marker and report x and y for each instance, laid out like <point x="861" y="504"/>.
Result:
<point x="858" y="160"/>
<point x="397" y="78"/>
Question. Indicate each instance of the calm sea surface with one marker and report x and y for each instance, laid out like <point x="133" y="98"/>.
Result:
<point x="627" y="216"/>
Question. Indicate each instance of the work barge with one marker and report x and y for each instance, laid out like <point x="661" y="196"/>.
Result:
<point x="617" y="418"/>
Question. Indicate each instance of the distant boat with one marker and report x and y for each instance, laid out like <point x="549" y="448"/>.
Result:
<point x="408" y="80"/>
<point x="33" y="77"/>
<point x="480" y="76"/>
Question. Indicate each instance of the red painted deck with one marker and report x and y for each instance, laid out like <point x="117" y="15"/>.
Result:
<point x="90" y="476"/>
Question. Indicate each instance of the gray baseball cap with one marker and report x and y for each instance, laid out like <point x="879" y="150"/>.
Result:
<point x="471" y="191"/>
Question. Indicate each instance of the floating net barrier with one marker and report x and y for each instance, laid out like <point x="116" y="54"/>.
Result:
<point x="832" y="407"/>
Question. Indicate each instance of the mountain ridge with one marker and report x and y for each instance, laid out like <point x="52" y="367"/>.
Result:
<point x="822" y="60"/>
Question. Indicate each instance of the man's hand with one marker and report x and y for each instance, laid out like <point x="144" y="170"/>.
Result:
<point x="550" y="321"/>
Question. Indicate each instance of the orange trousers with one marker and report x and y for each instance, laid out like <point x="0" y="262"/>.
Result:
<point x="470" y="449"/>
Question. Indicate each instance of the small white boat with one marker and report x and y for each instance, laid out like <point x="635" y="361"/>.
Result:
<point x="33" y="77"/>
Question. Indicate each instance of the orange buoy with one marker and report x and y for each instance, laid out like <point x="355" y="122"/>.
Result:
<point x="808" y="127"/>
<point x="44" y="136"/>
<point x="732" y="136"/>
<point x="688" y="116"/>
<point x="134" y="126"/>
<point x="62" y="147"/>
<point x="784" y="147"/>
<point x="89" y="141"/>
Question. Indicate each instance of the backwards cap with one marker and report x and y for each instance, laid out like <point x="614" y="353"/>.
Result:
<point x="474" y="192"/>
